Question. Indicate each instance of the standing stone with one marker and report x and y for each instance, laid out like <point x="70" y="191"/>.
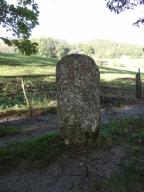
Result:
<point x="78" y="97"/>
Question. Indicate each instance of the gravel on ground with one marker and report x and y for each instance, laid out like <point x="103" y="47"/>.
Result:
<point x="71" y="174"/>
<point x="42" y="124"/>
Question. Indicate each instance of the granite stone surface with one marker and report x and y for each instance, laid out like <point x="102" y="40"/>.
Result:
<point x="78" y="97"/>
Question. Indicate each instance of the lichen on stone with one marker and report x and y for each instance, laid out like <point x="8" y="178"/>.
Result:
<point x="78" y="96"/>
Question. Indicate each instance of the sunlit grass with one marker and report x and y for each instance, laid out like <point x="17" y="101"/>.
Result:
<point x="112" y="77"/>
<point x="20" y="71"/>
<point x="113" y="73"/>
<point x="113" y="69"/>
<point x="17" y="65"/>
<point x="37" y="107"/>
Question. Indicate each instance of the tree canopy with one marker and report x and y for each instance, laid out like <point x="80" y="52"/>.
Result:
<point x="22" y="16"/>
<point x="19" y="18"/>
<point x="119" y="6"/>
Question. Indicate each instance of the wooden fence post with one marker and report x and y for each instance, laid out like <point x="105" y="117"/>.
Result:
<point x="26" y="98"/>
<point x="138" y="85"/>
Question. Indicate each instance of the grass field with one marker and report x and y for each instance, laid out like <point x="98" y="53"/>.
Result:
<point x="17" y="65"/>
<point x="40" y="87"/>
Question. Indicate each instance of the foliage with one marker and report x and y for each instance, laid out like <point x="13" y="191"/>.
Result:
<point x="62" y="49"/>
<point x="87" y="49"/>
<point x="109" y="49"/>
<point x="119" y="6"/>
<point x="4" y="48"/>
<point x="26" y="47"/>
<point x="98" y="48"/>
<point x="19" y="18"/>
<point x="52" y="48"/>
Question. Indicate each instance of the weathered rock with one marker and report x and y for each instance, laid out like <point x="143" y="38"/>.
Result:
<point x="78" y="97"/>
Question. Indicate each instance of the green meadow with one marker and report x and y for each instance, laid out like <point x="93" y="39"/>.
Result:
<point x="38" y="74"/>
<point x="18" y="65"/>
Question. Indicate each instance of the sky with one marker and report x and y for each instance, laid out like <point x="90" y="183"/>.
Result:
<point x="83" y="20"/>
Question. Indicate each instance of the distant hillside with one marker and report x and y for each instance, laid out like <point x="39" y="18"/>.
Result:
<point x="105" y="48"/>
<point x="50" y="47"/>
<point x="6" y="49"/>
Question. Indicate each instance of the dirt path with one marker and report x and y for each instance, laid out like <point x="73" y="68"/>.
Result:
<point x="124" y="111"/>
<point x="42" y="124"/>
<point x="72" y="174"/>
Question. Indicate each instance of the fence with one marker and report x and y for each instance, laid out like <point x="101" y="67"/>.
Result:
<point x="27" y="92"/>
<point x="39" y="92"/>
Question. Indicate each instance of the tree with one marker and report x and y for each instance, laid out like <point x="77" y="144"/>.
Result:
<point x="119" y="6"/>
<point x="47" y="47"/>
<point x="52" y="47"/>
<point x="89" y="50"/>
<point x="62" y="49"/>
<point x="19" y="18"/>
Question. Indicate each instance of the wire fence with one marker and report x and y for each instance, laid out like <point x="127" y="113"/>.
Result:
<point x="40" y="91"/>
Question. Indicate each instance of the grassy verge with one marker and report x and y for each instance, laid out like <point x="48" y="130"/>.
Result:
<point x="132" y="177"/>
<point x="23" y="110"/>
<point x="40" y="152"/>
<point x="35" y="153"/>
<point x="130" y="133"/>
<point x="8" y="130"/>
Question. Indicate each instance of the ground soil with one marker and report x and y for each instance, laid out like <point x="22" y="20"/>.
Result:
<point x="72" y="174"/>
<point x="42" y="124"/>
